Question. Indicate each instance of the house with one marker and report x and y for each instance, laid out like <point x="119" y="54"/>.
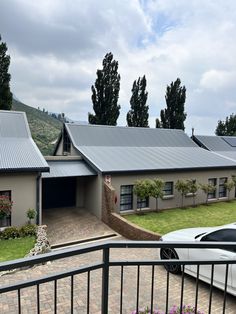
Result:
<point x="21" y="166"/>
<point x="122" y="155"/>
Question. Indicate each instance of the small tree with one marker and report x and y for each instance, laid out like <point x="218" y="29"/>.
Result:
<point x="183" y="187"/>
<point x="31" y="214"/>
<point x="156" y="190"/>
<point x="193" y="187"/>
<point x="229" y="186"/>
<point x="5" y="206"/>
<point x="207" y="188"/>
<point x="142" y="189"/>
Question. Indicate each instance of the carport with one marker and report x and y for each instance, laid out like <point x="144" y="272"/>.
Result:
<point x="65" y="184"/>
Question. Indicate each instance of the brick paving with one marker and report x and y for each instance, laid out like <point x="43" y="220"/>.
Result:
<point x="72" y="224"/>
<point x="8" y="301"/>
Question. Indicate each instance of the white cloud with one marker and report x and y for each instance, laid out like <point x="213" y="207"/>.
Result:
<point x="58" y="45"/>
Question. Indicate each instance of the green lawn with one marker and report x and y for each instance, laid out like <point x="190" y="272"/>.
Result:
<point x="173" y="219"/>
<point x="15" y="248"/>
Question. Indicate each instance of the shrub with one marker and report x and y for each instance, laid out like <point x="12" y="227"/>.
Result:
<point x="31" y="214"/>
<point x="10" y="233"/>
<point x="28" y="230"/>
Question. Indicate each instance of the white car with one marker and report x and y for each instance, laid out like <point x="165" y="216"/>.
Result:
<point x="226" y="233"/>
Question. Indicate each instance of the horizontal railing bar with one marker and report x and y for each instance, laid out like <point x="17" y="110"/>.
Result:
<point x="61" y="275"/>
<point x="109" y="244"/>
<point x="171" y="262"/>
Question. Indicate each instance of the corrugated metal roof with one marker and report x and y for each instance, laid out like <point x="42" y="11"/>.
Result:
<point x="214" y="143"/>
<point x="118" y="159"/>
<point x="100" y="135"/>
<point x="18" y="152"/>
<point x="68" y="168"/>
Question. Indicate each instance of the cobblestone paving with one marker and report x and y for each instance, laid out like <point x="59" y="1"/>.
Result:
<point x="9" y="305"/>
<point x="72" y="224"/>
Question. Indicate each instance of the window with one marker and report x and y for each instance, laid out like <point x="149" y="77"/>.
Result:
<point x="222" y="188"/>
<point x="213" y="182"/>
<point x="5" y="221"/>
<point x="126" y="197"/>
<point x="223" y="235"/>
<point x="142" y="203"/>
<point x="168" y="188"/>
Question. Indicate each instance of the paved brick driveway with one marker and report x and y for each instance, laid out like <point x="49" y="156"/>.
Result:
<point x="72" y="224"/>
<point x="8" y="301"/>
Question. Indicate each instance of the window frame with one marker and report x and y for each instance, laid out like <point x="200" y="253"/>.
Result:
<point x="213" y="193"/>
<point x="166" y="190"/>
<point x="221" y="185"/>
<point x="130" y="203"/>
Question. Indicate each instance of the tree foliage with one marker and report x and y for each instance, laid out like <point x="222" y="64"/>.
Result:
<point x="173" y="116"/>
<point x="192" y="188"/>
<point x="142" y="189"/>
<point x="182" y="186"/>
<point x="156" y="190"/>
<point x="227" y="127"/>
<point x="229" y="185"/>
<point x="5" y="77"/>
<point x="207" y="188"/>
<point x="138" y="115"/>
<point x="105" y="93"/>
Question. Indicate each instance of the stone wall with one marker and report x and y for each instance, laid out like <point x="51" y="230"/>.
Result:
<point x="120" y="224"/>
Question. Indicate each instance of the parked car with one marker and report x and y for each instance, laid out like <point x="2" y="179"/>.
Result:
<point x="226" y="233"/>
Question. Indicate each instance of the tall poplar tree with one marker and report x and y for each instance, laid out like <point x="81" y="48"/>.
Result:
<point x="173" y="116"/>
<point x="227" y="127"/>
<point x="5" y="77"/>
<point x="138" y="115"/>
<point x="105" y="93"/>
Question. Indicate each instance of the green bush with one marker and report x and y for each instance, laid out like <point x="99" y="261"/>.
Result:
<point x="18" y="232"/>
<point x="28" y="230"/>
<point x="10" y="233"/>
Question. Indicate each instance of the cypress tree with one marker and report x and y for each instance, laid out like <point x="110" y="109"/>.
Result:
<point x="173" y="116"/>
<point x="5" y="77"/>
<point x="105" y="93"/>
<point x="138" y="115"/>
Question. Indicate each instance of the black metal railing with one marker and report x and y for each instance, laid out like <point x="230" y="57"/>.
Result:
<point x="106" y="265"/>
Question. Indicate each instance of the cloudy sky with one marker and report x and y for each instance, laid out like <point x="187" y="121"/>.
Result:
<point x="56" y="46"/>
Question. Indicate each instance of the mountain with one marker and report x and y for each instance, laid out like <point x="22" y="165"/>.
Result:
<point x="45" y="129"/>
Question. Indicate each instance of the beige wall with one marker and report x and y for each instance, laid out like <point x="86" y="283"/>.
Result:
<point x="175" y="201"/>
<point x="23" y="194"/>
<point x="93" y="195"/>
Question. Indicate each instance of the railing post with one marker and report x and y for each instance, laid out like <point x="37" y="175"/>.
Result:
<point x="105" y="280"/>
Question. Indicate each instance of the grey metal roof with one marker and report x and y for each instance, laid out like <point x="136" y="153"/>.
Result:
<point x="18" y="152"/>
<point x="214" y="143"/>
<point x="100" y="135"/>
<point x="68" y="168"/>
<point x="118" y="159"/>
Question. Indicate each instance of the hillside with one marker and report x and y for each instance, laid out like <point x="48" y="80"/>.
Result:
<point x="44" y="128"/>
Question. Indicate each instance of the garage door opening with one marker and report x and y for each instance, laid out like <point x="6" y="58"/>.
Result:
<point x="58" y="192"/>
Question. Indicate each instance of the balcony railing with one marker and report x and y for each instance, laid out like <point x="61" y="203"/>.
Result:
<point x="110" y="291"/>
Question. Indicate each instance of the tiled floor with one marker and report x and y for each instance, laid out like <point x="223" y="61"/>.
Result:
<point x="72" y="224"/>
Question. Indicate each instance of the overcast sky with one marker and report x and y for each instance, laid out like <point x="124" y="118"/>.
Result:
<point x="56" y="46"/>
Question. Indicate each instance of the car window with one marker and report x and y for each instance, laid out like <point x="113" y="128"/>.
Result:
<point x="223" y="235"/>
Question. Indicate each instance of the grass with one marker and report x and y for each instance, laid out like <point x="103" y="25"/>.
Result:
<point x="173" y="219"/>
<point x="15" y="248"/>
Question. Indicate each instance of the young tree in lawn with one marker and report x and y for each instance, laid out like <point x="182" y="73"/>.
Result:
<point x="138" y="115"/>
<point x="5" y="77"/>
<point x="142" y="189"/>
<point x="156" y="190"/>
<point x="229" y="185"/>
<point x="207" y="188"/>
<point x="173" y="116"/>
<point x="193" y="187"/>
<point x="105" y="93"/>
<point x="182" y="187"/>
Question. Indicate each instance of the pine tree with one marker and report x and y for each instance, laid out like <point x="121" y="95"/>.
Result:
<point x="105" y="93"/>
<point x="5" y="77"/>
<point x="173" y="116"/>
<point x="138" y="115"/>
<point x="227" y="127"/>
